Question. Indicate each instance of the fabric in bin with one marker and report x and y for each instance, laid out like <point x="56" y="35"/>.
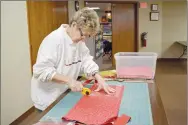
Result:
<point x="54" y="123"/>
<point x="98" y="108"/>
<point x="135" y="72"/>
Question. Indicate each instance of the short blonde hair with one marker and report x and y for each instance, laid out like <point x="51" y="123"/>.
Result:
<point x="87" y="19"/>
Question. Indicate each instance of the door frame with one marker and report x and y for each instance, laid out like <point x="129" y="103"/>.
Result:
<point x="28" y="9"/>
<point x="136" y="5"/>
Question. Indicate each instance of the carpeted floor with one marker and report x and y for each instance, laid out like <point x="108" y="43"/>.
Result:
<point x="171" y="78"/>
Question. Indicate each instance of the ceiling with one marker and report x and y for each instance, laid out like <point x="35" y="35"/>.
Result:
<point x="137" y="0"/>
<point x="107" y="6"/>
<point x="102" y="6"/>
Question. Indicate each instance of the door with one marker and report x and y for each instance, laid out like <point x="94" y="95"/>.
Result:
<point x="43" y="18"/>
<point x="123" y="28"/>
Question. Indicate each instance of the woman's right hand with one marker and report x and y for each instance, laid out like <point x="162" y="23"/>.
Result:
<point x="75" y="86"/>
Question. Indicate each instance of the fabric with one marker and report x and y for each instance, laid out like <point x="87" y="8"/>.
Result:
<point x="123" y="120"/>
<point x="98" y="108"/>
<point x="58" y="54"/>
<point x="135" y="103"/>
<point x="104" y="74"/>
<point x="54" y="123"/>
<point x="135" y="72"/>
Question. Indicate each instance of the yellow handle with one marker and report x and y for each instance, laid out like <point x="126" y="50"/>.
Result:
<point x="86" y="91"/>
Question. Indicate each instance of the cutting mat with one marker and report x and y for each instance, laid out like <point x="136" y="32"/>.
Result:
<point x="135" y="103"/>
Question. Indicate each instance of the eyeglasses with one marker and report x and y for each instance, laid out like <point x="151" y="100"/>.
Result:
<point x="81" y="33"/>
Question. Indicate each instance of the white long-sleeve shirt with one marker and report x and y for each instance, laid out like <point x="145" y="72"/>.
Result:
<point x="58" y="54"/>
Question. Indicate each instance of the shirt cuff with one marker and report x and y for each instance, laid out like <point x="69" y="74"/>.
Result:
<point x="94" y="72"/>
<point x="53" y="74"/>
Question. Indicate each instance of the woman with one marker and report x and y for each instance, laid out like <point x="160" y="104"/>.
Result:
<point x="62" y="56"/>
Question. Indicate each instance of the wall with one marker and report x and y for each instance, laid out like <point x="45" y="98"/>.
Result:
<point x="154" y="29"/>
<point x="15" y="62"/>
<point x="163" y="34"/>
<point x="90" y="43"/>
<point x="71" y="7"/>
<point x="174" y="28"/>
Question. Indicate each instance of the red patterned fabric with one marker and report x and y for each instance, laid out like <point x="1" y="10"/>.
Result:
<point x="123" y="120"/>
<point x="98" y="108"/>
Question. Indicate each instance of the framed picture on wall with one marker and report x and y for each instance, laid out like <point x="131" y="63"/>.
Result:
<point x="154" y="16"/>
<point x="154" y="7"/>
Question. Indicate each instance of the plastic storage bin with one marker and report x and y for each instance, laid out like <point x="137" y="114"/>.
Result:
<point x="136" y="64"/>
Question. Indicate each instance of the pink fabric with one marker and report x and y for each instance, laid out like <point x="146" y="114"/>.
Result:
<point x="98" y="108"/>
<point x="122" y="120"/>
<point x="135" y="72"/>
<point x="52" y="123"/>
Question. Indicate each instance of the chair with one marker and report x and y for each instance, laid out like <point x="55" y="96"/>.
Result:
<point x="107" y="46"/>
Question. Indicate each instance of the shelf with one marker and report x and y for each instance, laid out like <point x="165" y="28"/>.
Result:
<point x="106" y="23"/>
<point x="107" y="35"/>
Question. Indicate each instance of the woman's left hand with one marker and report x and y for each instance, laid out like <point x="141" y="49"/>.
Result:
<point x="103" y="85"/>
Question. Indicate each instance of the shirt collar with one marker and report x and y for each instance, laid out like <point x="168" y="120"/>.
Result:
<point x="63" y="27"/>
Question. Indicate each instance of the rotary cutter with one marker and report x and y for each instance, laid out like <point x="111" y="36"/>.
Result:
<point x="86" y="91"/>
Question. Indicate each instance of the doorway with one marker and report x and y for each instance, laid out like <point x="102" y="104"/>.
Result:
<point x="124" y="28"/>
<point x="105" y="42"/>
<point x="118" y="22"/>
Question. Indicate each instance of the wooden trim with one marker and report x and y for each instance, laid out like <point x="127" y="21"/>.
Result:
<point x="29" y="33"/>
<point x="172" y="59"/>
<point x="111" y="1"/>
<point x="23" y="116"/>
<point x="112" y="58"/>
<point x="67" y="4"/>
<point x="85" y="3"/>
<point x="158" y="112"/>
<point x="137" y="26"/>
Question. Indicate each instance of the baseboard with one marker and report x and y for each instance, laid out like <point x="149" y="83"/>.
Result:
<point x="171" y="59"/>
<point x="23" y="116"/>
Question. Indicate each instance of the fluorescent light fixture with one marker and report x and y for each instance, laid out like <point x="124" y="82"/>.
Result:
<point x="94" y="8"/>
